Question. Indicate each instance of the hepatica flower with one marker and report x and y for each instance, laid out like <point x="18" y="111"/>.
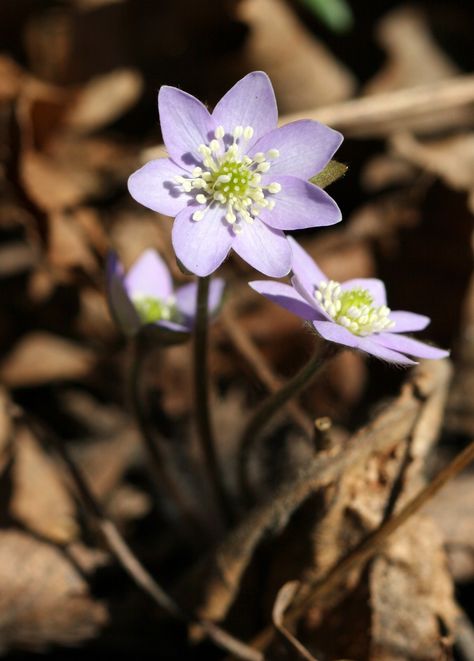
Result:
<point x="146" y="296"/>
<point x="233" y="180"/>
<point x="352" y="313"/>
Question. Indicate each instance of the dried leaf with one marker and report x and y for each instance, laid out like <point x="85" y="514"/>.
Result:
<point x="411" y="592"/>
<point x="40" y="357"/>
<point x="331" y="173"/>
<point x="40" y="499"/>
<point x="44" y="600"/>
<point x="103" y="99"/>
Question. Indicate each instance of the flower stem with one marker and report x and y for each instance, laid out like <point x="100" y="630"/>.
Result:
<point x="272" y="405"/>
<point x="201" y="400"/>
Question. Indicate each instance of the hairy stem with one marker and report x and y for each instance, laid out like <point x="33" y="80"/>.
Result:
<point x="272" y="405"/>
<point x="202" y="404"/>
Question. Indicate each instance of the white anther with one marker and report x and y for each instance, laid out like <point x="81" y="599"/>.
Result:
<point x="238" y="131"/>
<point x="274" y="187"/>
<point x="198" y="215"/>
<point x="197" y="172"/>
<point x="259" y="157"/>
<point x="264" y="167"/>
<point x="219" y="132"/>
<point x="201" y="199"/>
<point x="273" y="153"/>
<point x="214" y="145"/>
<point x="248" y="132"/>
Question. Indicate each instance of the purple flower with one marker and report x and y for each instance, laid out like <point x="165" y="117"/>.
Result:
<point x="235" y="180"/>
<point x="352" y="313"/>
<point x="145" y="295"/>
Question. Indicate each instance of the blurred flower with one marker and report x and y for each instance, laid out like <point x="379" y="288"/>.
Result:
<point x="145" y="296"/>
<point x="352" y="313"/>
<point x="235" y="180"/>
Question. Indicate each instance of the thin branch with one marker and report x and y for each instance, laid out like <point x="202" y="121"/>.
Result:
<point x="124" y="554"/>
<point x="257" y="361"/>
<point x="379" y="114"/>
<point x="202" y="403"/>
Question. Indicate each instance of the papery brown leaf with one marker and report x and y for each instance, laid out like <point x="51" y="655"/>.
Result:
<point x="44" y="600"/>
<point x="41" y="357"/>
<point x="451" y="158"/>
<point x="453" y="511"/>
<point x="40" y="500"/>
<point x="411" y="593"/>
<point x="103" y="99"/>
<point x="414" y="57"/>
<point x="304" y="72"/>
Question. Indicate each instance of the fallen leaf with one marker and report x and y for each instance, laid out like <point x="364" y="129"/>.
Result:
<point x="44" y="599"/>
<point x="40" y="500"/>
<point x="41" y="357"/>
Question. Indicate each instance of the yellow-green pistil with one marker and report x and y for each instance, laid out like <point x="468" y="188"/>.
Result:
<point x="231" y="179"/>
<point x="150" y="310"/>
<point x="354" y="308"/>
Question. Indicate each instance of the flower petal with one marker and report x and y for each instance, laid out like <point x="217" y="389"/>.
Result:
<point x="299" y="205"/>
<point x="371" y="346"/>
<point x="264" y="248"/>
<point x="250" y="102"/>
<point x="305" y="148"/>
<point x="185" y="124"/>
<point x="407" y="322"/>
<point x="186" y="298"/>
<point x="149" y="276"/>
<point x="410" y="346"/>
<point x="375" y="287"/>
<point x="306" y="271"/>
<point x="202" y="245"/>
<point x="153" y="185"/>
<point x="335" y="333"/>
<point x="121" y="307"/>
<point x="286" y="297"/>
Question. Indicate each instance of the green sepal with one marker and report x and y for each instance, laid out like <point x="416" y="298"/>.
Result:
<point x="331" y="173"/>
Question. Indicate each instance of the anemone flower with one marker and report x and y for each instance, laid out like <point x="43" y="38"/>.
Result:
<point x="352" y="313"/>
<point x="233" y="180"/>
<point x="145" y="296"/>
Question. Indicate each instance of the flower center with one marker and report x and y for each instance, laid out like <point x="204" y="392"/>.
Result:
<point x="231" y="179"/>
<point x="353" y="309"/>
<point x="150" y="309"/>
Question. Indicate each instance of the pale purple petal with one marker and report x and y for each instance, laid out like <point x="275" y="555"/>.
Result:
<point x="185" y="124"/>
<point x="149" y="276"/>
<point x="299" y="205"/>
<point x="186" y="298"/>
<point x="154" y="186"/>
<point x="335" y="333"/>
<point x="202" y="245"/>
<point x="264" y="248"/>
<point x="173" y="326"/>
<point x="216" y="293"/>
<point x="305" y="148"/>
<point x="250" y="102"/>
<point x="410" y="346"/>
<point x="370" y="345"/>
<point x="407" y="322"/>
<point x="306" y="271"/>
<point x="121" y="307"/>
<point x="286" y="297"/>
<point x="374" y="286"/>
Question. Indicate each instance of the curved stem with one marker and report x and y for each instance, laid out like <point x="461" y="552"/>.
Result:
<point x="201" y="400"/>
<point x="158" y="459"/>
<point x="272" y="405"/>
